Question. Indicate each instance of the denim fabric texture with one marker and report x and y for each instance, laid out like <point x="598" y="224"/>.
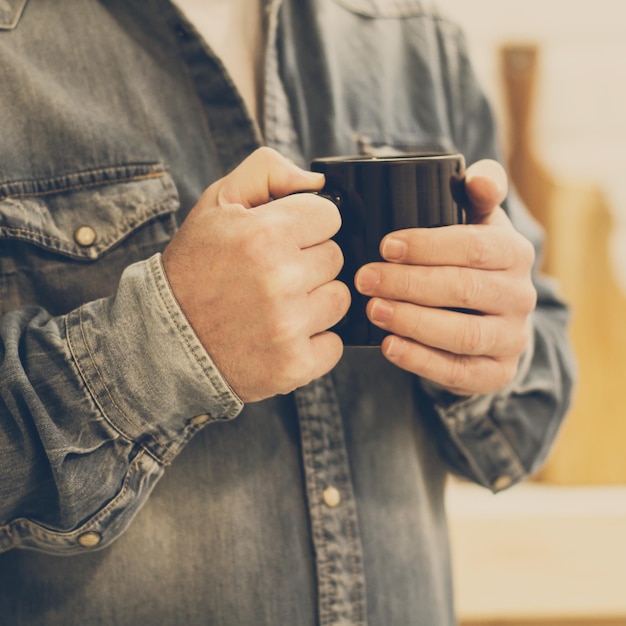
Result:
<point x="135" y="487"/>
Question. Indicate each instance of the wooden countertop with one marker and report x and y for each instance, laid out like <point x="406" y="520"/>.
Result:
<point x="539" y="552"/>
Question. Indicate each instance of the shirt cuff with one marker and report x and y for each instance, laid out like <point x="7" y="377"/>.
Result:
<point x="481" y="446"/>
<point x="144" y="365"/>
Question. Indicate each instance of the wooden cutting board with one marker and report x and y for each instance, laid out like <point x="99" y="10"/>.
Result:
<point x="591" y="448"/>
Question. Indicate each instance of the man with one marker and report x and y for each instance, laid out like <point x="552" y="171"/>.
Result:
<point x="182" y="439"/>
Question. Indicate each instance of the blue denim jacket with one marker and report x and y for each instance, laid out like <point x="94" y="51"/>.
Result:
<point x="120" y="443"/>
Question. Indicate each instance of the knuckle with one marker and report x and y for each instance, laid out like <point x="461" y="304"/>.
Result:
<point x="480" y="247"/>
<point x="458" y="372"/>
<point x="267" y="155"/>
<point x="414" y="324"/>
<point x="255" y="245"/>
<point x="299" y="366"/>
<point x="292" y="361"/>
<point x="405" y="281"/>
<point x="427" y="245"/>
<point x="334" y="256"/>
<point x="467" y="289"/>
<point x="279" y="281"/>
<point x="472" y="336"/>
<point x="340" y="299"/>
<point x="260" y="251"/>
<point x="280" y="331"/>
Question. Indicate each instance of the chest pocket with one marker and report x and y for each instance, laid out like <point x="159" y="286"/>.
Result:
<point x="387" y="8"/>
<point x="10" y="13"/>
<point x="66" y="240"/>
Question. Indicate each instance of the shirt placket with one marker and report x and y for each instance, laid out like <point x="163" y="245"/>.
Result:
<point x="332" y="507"/>
<point x="330" y="495"/>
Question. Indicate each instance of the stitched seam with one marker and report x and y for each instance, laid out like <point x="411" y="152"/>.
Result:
<point x="356" y="599"/>
<point x="151" y="212"/>
<point x="314" y="488"/>
<point x="96" y="396"/>
<point x="98" y="401"/>
<point x="77" y="187"/>
<point x="38" y="238"/>
<point x="93" y="521"/>
<point x="17" y="14"/>
<point x="84" y="376"/>
<point x="174" y="319"/>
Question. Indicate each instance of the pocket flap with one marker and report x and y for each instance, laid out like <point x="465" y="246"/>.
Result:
<point x="85" y="214"/>
<point x="10" y="13"/>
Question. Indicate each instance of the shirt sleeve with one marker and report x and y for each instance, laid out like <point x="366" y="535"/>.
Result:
<point x="93" y="390"/>
<point x="499" y="439"/>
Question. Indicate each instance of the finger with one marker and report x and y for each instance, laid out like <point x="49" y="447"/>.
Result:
<point x="326" y="349"/>
<point x="463" y="375"/>
<point x="479" y="246"/>
<point x="464" y="288"/>
<point x="305" y="218"/>
<point x="326" y="306"/>
<point x="319" y="265"/>
<point x="451" y="331"/>
<point x="264" y="175"/>
<point x="486" y="186"/>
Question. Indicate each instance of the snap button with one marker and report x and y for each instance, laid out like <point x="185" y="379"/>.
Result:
<point x="331" y="497"/>
<point x="85" y="236"/>
<point x="89" y="539"/>
<point x="502" y="482"/>
<point x="198" y="420"/>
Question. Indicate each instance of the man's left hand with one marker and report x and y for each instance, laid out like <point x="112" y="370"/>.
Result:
<point x="483" y="267"/>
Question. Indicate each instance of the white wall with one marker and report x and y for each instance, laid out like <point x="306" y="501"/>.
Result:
<point x="580" y="115"/>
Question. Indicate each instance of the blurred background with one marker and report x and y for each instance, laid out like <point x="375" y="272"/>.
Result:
<point x="553" y="551"/>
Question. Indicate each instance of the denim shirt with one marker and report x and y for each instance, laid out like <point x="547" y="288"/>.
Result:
<point x="121" y="445"/>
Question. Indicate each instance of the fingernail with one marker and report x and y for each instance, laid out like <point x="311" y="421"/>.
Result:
<point x="395" y="347"/>
<point x="394" y="249"/>
<point x="318" y="176"/>
<point x="366" y="279"/>
<point x="381" y="311"/>
<point x="316" y="179"/>
<point x="490" y="171"/>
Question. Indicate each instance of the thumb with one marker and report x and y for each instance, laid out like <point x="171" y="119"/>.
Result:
<point x="486" y="185"/>
<point x="264" y="176"/>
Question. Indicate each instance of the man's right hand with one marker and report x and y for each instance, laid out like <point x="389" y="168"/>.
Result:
<point x="253" y="269"/>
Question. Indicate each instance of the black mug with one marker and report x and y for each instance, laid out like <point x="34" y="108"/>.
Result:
<point x="377" y="195"/>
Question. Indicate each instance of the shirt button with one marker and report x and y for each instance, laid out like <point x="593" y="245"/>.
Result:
<point x="89" y="539"/>
<point x="85" y="236"/>
<point x="331" y="497"/>
<point x="502" y="482"/>
<point x="198" y="420"/>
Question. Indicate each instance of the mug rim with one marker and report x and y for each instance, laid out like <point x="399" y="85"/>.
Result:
<point x="369" y="158"/>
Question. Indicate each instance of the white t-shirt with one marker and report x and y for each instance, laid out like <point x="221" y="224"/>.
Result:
<point x="234" y="30"/>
